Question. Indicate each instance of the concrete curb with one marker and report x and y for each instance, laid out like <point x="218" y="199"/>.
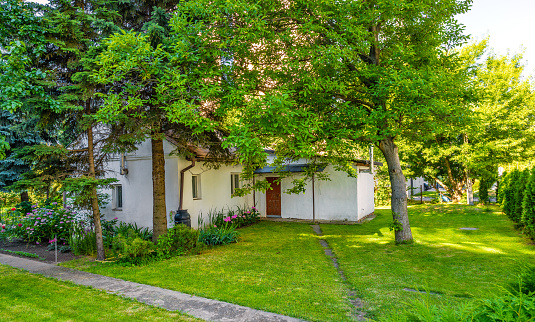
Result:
<point x="199" y="307"/>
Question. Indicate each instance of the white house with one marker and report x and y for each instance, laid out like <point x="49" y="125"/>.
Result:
<point x="206" y="189"/>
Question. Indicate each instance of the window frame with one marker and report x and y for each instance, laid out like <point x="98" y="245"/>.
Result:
<point x="196" y="187"/>
<point x="117" y="197"/>
<point x="234" y="182"/>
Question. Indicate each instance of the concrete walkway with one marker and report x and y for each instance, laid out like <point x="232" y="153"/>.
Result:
<point x="206" y="309"/>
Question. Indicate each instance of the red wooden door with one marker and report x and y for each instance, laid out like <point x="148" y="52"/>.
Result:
<point x="273" y="199"/>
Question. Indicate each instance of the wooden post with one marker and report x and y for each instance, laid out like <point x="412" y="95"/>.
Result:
<point x="421" y="194"/>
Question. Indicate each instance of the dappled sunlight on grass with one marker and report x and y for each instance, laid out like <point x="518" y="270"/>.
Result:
<point x="456" y="263"/>
<point x="277" y="267"/>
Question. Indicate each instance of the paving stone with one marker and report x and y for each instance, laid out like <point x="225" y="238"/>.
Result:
<point x="199" y="307"/>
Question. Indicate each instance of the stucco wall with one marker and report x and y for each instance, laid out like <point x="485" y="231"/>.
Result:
<point x="416" y="183"/>
<point x="341" y="198"/>
<point x="137" y="185"/>
<point x="366" y="202"/>
<point x="215" y="190"/>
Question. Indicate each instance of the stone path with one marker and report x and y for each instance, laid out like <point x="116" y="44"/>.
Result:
<point x="355" y="301"/>
<point x="203" y="308"/>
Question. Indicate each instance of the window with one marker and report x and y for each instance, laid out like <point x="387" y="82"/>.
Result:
<point x="117" y="197"/>
<point x="196" y="186"/>
<point x="234" y="182"/>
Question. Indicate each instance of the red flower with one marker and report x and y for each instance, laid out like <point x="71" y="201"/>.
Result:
<point x="20" y="225"/>
<point x="13" y="209"/>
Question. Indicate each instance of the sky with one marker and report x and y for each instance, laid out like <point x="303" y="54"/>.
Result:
<point x="510" y="25"/>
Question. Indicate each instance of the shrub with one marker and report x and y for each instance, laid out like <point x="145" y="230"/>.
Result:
<point x="178" y="240"/>
<point x="131" y="248"/>
<point x="508" y="192"/>
<point x="82" y="240"/>
<point x="518" y="195"/>
<point x="143" y="232"/>
<point x="528" y="207"/>
<point x="214" y="235"/>
<point x="484" y="190"/>
<point x="43" y="224"/>
<point x="524" y="282"/>
<point x="508" y="307"/>
<point x="238" y="217"/>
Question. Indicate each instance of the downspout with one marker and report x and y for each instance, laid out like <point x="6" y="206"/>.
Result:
<point x="313" y="199"/>
<point x="180" y="207"/>
<point x="182" y="216"/>
<point x="254" y="193"/>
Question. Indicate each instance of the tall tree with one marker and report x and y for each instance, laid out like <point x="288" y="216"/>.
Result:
<point x="498" y="127"/>
<point x="320" y="78"/>
<point x="149" y="83"/>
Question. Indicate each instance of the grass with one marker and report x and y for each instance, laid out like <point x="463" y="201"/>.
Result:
<point x="21" y="253"/>
<point x="281" y="268"/>
<point x="28" y="297"/>
<point x="460" y="265"/>
<point x="277" y="267"/>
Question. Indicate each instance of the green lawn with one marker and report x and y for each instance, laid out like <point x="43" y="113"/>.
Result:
<point x="460" y="265"/>
<point x="277" y="267"/>
<point x="281" y="267"/>
<point x="28" y="297"/>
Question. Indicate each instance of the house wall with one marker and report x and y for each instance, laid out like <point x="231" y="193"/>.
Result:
<point x="417" y="183"/>
<point x="341" y="198"/>
<point x="366" y="202"/>
<point x="137" y="185"/>
<point x="215" y="190"/>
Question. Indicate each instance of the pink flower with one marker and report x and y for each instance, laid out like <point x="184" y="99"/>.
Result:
<point x="27" y="228"/>
<point x="52" y="240"/>
<point x="61" y="222"/>
<point x="248" y="212"/>
<point x="115" y="218"/>
<point x="235" y="216"/>
<point x="254" y="208"/>
<point x="243" y="216"/>
<point x="37" y="243"/>
<point x="227" y="219"/>
<point x="215" y="226"/>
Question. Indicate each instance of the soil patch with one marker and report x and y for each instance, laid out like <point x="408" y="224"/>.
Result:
<point x="39" y="250"/>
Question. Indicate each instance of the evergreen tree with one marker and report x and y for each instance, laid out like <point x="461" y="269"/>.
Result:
<point x="508" y="202"/>
<point x="484" y="190"/>
<point x="528" y="206"/>
<point x="518" y="195"/>
<point x="150" y="82"/>
<point x="18" y="133"/>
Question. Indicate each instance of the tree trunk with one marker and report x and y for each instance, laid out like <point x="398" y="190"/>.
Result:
<point x="101" y="255"/>
<point x="456" y="189"/>
<point x="24" y="196"/>
<point x="469" y="191"/>
<point x="159" y="212"/>
<point x="399" y="196"/>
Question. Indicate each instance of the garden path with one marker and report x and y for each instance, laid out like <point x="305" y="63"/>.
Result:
<point x="355" y="301"/>
<point x="203" y="308"/>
